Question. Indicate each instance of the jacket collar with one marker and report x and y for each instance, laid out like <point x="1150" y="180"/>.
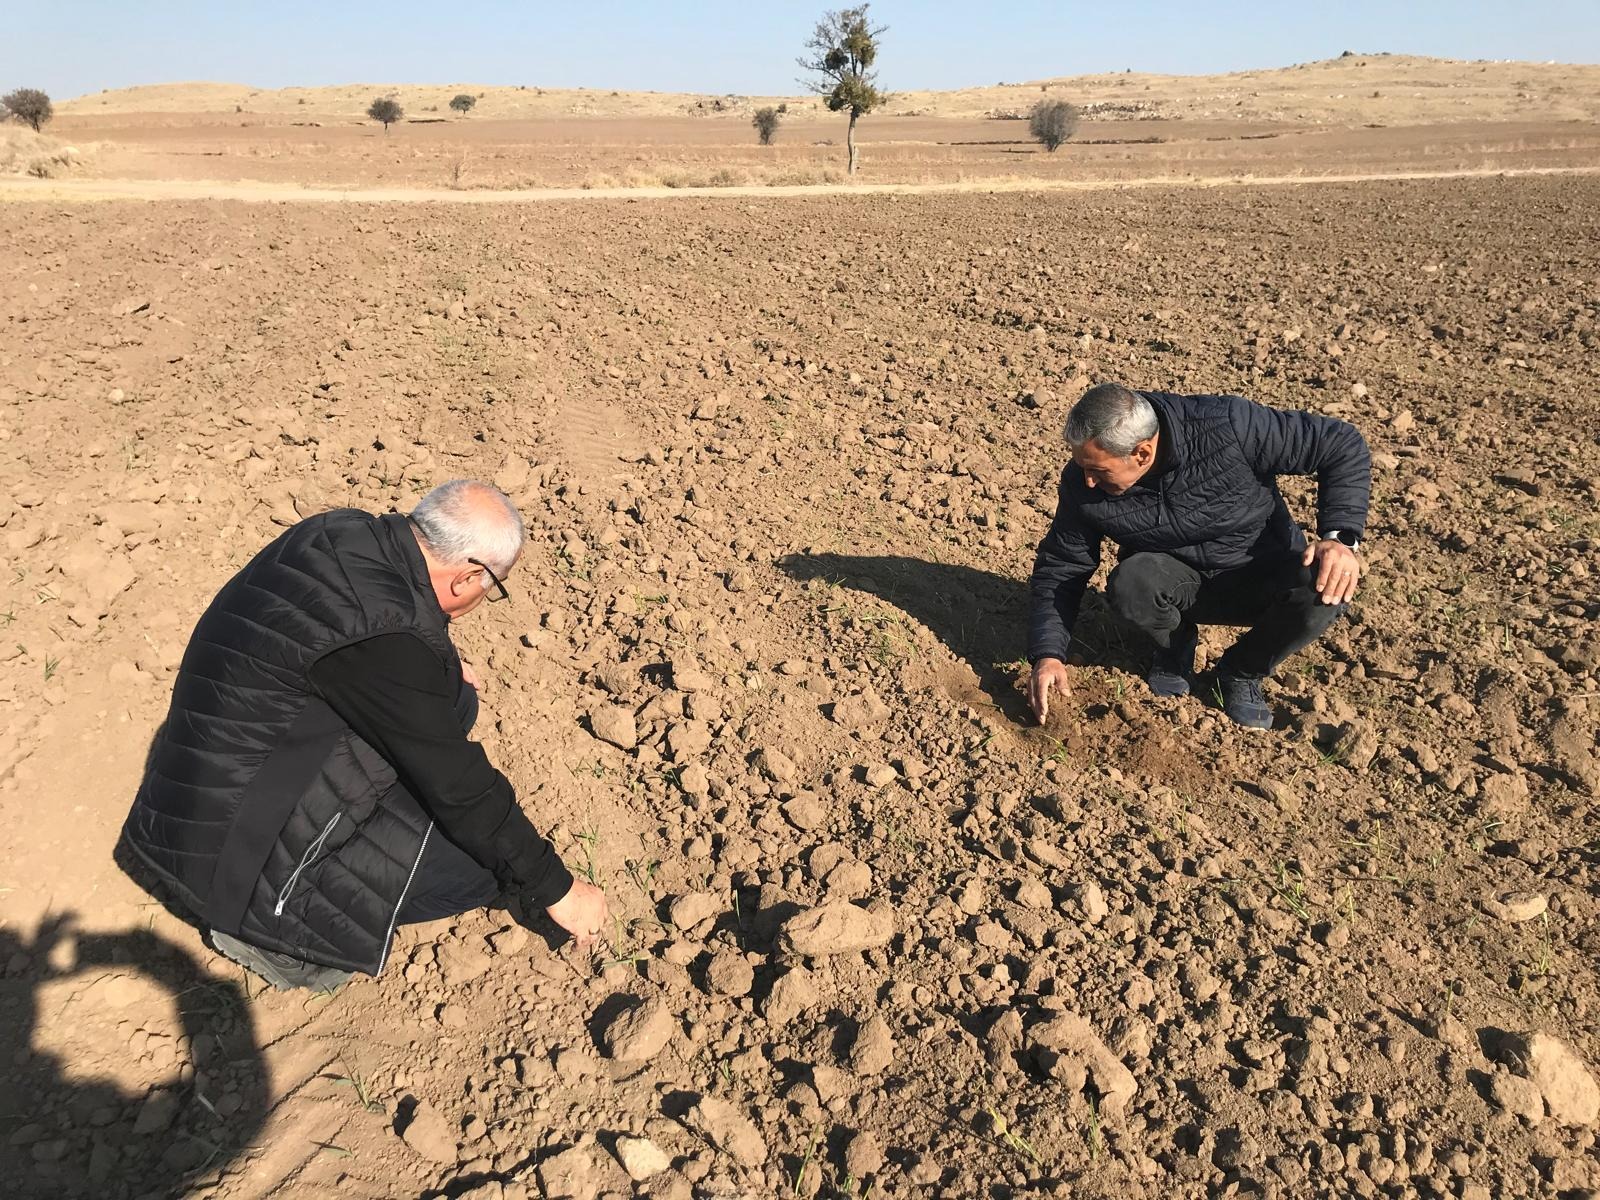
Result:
<point x="1169" y="451"/>
<point x="400" y="537"/>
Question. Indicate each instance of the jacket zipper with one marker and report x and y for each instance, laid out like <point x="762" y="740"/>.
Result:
<point x="305" y="859"/>
<point x="388" y="937"/>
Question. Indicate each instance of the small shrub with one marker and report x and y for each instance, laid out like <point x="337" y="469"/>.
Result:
<point x="783" y="108"/>
<point x="387" y="110"/>
<point x="766" y="122"/>
<point x="463" y="103"/>
<point x="29" y="105"/>
<point x="1052" y="122"/>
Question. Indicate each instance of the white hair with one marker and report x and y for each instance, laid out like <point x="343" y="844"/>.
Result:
<point x="456" y="524"/>
<point x="1113" y="417"/>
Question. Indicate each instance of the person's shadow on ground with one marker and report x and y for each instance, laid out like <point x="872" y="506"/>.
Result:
<point x="66" y="1132"/>
<point x="981" y="616"/>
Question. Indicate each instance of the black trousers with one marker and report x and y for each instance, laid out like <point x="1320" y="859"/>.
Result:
<point x="448" y="879"/>
<point x="1273" y="596"/>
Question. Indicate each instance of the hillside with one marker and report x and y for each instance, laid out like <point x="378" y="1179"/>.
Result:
<point x="1353" y="89"/>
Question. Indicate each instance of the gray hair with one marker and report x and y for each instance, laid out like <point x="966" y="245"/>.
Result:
<point x="466" y="519"/>
<point x="1113" y="417"/>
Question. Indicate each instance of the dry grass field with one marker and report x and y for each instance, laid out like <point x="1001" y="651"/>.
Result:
<point x="1351" y="116"/>
<point x="784" y="461"/>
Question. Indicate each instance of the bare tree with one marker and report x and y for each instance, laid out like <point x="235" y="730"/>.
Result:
<point x="29" y="105"/>
<point x="841" y="53"/>
<point x="766" y="122"/>
<point x="463" y="103"/>
<point x="1052" y="122"/>
<point x="386" y="109"/>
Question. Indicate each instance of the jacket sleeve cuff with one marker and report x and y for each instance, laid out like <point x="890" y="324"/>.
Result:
<point x="551" y="886"/>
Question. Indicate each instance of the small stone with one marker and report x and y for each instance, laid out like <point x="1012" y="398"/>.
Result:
<point x="879" y="774"/>
<point x="615" y="724"/>
<point x="1569" y="1091"/>
<point x="873" y="1050"/>
<point x="568" y="1175"/>
<point x="792" y="993"/>
<point x="729" y="974"/>
<point x="1519" y="1096"/>
<point x="690" y="910"/>
<point x="729" y="1130"/>
<point x="776" y="765"/>
<point x="687" y="739"/>
<point x="861" y="710"/>
<point x="1089" y="899"/>
<point x="639" y="1032"/>
<point x="159" y="1110"/>
<point x="429" y="1134"/>
<point x="641" y="1158"/>
<point x="1516" y="906"/>
<point x="805" y="813"/>
<point x="1068" y="1039"/>
<point x="1034" y="893"/>
<point x="460" y="964"/>
<point x="1356" y="746"/>
<point x="508" y="941"/>
<point x="863" y="1155"/>
<point x="837" y="927"/>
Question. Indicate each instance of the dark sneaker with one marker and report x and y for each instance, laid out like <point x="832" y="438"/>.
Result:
<point x="1171" y="666"/>
<point x="282" y="971"/>
<point x="1244" y="702"/>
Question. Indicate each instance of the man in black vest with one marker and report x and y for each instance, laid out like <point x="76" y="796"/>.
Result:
<point x="314" y="785"/>
<point x="1186" y="486"/>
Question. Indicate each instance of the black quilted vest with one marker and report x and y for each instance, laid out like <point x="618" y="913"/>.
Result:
<point x="260" y="807"/>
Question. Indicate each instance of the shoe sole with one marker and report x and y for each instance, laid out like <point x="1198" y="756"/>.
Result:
<point x="260" y="964"/>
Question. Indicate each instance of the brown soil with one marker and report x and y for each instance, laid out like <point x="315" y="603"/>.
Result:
<point x="785" y="461"/>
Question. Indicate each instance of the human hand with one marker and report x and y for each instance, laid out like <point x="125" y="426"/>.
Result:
<point x="1338" y="569"/>
<point x="1048" y="673"/>
<point x="471" y="678"/>
<point x="581" y="912"/>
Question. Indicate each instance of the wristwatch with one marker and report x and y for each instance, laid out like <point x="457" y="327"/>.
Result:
<point x="1345" y="537"/>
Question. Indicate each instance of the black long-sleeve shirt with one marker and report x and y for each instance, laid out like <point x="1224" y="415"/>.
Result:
<point x="1211" y="500"/>
<point x="393" y="691"/>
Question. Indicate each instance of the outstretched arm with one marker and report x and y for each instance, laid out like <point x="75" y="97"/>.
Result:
<point x="1066" y="560"/>
<point x="396" y="694"/>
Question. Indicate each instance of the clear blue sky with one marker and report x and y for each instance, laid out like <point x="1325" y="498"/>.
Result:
<point x="70" y="47"/>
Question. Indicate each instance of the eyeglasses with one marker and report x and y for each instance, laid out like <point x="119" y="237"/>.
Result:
<point x="500" y="592"/>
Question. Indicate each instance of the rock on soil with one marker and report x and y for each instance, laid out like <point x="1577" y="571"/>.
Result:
<point x="792" y="993"/>
<point x="1068" y="1043"/>
<point x="688" y="911"/>
<point x="1516" y="906"/>
<point x="568" y="1175"/>
<point x="429" y="1134"/>
<point x="729" y="1130"/>
<point x="873" y="1050"/>
<point x="729" y="973"/>
<point x="639" y="1032"/>
<point x="1569" y="1090"/>
<point x="641" y="1158"/>
<point x="615" y="724"/>
<point x="835" y="928"/>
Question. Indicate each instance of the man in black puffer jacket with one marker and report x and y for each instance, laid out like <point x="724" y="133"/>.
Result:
<point x="314" y="785"/>
<point x="1186" y="486"/>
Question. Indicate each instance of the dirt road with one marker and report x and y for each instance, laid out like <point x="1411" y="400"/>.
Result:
<point x="18" y="190"/>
